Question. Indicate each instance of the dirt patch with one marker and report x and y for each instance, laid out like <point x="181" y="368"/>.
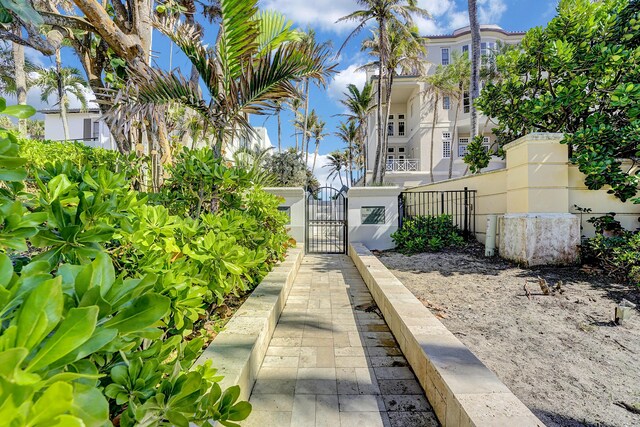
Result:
<point x="559" y="353"/>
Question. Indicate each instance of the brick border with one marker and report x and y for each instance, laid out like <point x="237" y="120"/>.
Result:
<point x="237" y="352"/>
<point x="461" y="389"/>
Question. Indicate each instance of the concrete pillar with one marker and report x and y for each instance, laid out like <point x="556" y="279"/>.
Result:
<point x="295" y="204"/>
<point x="538" y="228"/>
<point x="373" y="215"/>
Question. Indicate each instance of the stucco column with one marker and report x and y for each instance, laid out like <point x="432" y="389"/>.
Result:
<point x="373" y="215"/>
<point x="294" y="204"/>
<point x="538" y="228"/>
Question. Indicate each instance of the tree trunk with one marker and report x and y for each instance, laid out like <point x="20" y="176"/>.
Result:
<point x="385" y="147"/>
<point x="381" y="65"/>
<point x="475" y="66"/>
<point x="453" y="136"/>
<point x="305" y="139"/>
<point x="62" y="96"/>
<point x="279" y="130"/>
<point x="315" y="156"/>
<point x="21" y="81"/>
<point x="365" y="149"/>
<point x="433" y="131"/>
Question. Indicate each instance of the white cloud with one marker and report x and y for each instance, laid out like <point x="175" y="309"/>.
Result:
<point x="321" y="14"/>
<point x="445" y="15"/>
<point x="339" y="83"/>
<point x="322" y="173"/>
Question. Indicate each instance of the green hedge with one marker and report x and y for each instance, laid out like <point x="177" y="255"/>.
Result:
<point x="427" y="234"/>
<point x="39" y="153"/>
<point x="105" y="292"/>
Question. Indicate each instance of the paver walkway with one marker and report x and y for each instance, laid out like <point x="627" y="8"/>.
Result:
<point x="331" y="362"/>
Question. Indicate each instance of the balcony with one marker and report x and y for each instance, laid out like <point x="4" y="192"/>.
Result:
<point x="402" y="165"/>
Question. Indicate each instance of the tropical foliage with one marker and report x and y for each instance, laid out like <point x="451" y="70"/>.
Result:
<point x="427" y="234"/>
<point x="580" y="76"/>
<point x="104" y="291"/>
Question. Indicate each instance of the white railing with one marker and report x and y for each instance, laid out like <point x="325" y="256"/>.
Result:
<point x="402" y="165"/>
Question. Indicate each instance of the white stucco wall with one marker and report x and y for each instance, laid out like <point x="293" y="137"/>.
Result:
<point x="294" y="199"/>
<point x="53" y="129"/>
<point x="374" y="236"/>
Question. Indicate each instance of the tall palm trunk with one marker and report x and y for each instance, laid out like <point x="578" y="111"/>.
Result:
<point x="315" y="155"/>
<point x="305" y="138"/>
<point x="454" y="135"/>
<point x="62" y="96"/>
<point x="433" y="131"/>
<point x="21" y="80"/>
<point x="365" y="149"/>
<point x="385" y="147"/>
<point x="381" y="64"/>
<point x="475" y="66"/>
<point x="279" y="131"/>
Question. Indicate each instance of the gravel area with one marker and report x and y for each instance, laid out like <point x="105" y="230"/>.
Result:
<point x="560" y="353"/>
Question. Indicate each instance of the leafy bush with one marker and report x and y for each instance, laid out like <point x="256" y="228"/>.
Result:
<point x="40" y="153"/>
<point x="614" y="249"/>
<point x="427" y="234"/>
<point x="103" y="295"/>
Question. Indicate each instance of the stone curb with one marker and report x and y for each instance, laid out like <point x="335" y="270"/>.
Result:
<point x="237" y="352"/>
<point x="461" y="389"/>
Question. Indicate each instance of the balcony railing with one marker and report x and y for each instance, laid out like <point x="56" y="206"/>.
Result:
<point x="402" y="165"/>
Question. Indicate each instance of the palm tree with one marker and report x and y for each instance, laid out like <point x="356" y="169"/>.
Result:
<point x="318" y="135"/>
<point x="438" y="86"/>
<point x="406" y="56"/>
<point x="360" y="104"/>
<point x="475" y="66"/>
<point x="278" y="111"/>
<point x="348" y="133"/>
<point x="309" y="42"/>
<point x="385" y="13"/>
<point x="294" y="105"/>
<point x="338" y="160"/>
<point x="254" y="63"/>
<point x="62" y="81"/>
<point x="457" y="83"/>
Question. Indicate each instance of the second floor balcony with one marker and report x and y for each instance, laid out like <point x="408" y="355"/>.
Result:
<point x="403" y="165"/>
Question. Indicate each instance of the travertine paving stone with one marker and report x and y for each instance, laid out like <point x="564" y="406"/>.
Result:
<point x="332" y="360"/>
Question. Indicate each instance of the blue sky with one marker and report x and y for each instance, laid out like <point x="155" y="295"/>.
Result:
<point x="447" y="15"/>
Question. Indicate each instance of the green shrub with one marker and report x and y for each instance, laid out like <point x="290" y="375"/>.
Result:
<point x="103" y="294"/>
<point x="427" y="234"/>
<point x="615" y="250"/>
<point x="39" y="153"/>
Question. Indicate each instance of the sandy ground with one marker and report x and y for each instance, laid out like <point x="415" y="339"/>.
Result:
<point x="560" y="354"/>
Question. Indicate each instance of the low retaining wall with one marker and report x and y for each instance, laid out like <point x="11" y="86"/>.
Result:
<point x="461" y="389"/>
<point x="237" y="352"/>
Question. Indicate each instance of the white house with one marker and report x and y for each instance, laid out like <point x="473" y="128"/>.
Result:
<point x="84" y="125"/>
<point x="87" y="126"/>
<point x="411" y="117"/>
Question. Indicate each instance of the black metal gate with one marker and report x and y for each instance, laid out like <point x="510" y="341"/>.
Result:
<point x="459" y="204"/>
<point x="326" y="218"/>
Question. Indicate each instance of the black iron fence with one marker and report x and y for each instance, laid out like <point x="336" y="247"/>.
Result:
<point x="459" y="204"/>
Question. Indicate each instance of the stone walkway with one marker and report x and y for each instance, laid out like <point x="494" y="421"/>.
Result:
<point x="331" y="362"/>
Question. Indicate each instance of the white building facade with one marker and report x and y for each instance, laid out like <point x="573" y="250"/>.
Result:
<point x="85" y="126"/>
<point x="411" y="126"/>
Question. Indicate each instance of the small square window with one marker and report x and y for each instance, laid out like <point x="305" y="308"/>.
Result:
<point x="400" y="149"/>
<point x="391" y="117"/>
<point x="372" y="214"/>
<point x="401" y="116"/>
<point x="390" y="149"/>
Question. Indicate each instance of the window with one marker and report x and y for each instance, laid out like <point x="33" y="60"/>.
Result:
<point x="390" y="149"/>
<point x="446" y="103"/>
<point x="486" y="52"/>
<point x="465" y="49"/>
<point x="401" y="127"/>
<point x="400" y="149"/>
<point x="462" y="146"/>
<point x="400" y="157"/>
<point x="486" y="142"/>
<point x="95" y="134"/>
<point x="390" y="129"/>
<point x="445" y="56"/>
<point x="446" y="144"/>
<point x="466" y="103"/>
